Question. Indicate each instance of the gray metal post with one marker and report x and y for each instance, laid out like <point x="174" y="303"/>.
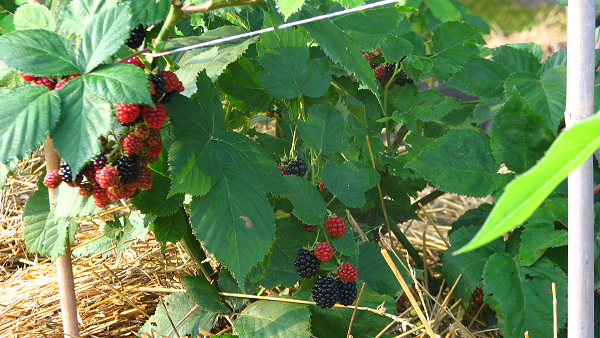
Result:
<point x="580" y="104"/>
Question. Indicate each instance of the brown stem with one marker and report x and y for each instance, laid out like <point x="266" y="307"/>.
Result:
<point x="400" y="136"/>
<point x="64" y="269"/>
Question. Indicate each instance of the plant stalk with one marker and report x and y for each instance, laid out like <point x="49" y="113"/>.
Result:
<point x="194" y="249"/>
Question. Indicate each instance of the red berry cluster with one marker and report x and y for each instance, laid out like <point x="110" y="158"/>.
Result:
<point x="384" y="72"/>
<point x="55" y="84"/>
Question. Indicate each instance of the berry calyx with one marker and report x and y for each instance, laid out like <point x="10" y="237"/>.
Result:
<point x="336" y="226"/>
<point x="324" y="252"/>
<point x="347" y="272"/>
<point x="379" y="71"/>
<point x="347" y="294"/>
<point x="107" y="176"/>
<point x="127" y="112"/>
<point x="307" y="264"/>
<point x="325" y="292"/>
<point x="154" y="117"/>
<point x="52" y="179"/>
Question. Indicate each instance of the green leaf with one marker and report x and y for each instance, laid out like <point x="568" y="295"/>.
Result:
<point x="324" y="130"/>
<point x="557" y="59"/>
<point x="547" y="95"/>
<point x="69" y="204"/>
<point x="453" y="43"/>
<point x="107" y="31"/>
<point x="289" y="7"/>
<point x="8" y="5"/>
<point x="340" y="48"/>
<point x="536" y="238"/>
<point x="289" y="72"/>
<point x="480" y="77"/>
<point x="27" y="115"/>
<point x="250" y="157"/>
<point x="203" y="293"/>
<point x="334" y="323"/>
<point x="119" y="83"/>
<point x="274" y="319"/>
<point x="526" y="192"/>
<point x="519" y="136"/>
<point x="193" y="308"/>
<point x="443" y="10"/>
<point x="346" y="182"/>
<point x="85" y="117"/>
<point x="395" y="48"/>
<point x="290" y="237"/>
<point x="459" y="162"/>
<point x="309" y="206"/>
<point x="243" y="88"/>
<point x="430" y="105"/>
<point x="35" y="214"/>
<point x="38" y="52"/>
<point x="345" y="244"/>
<point x="211" y="59"/>
<point x="148" y="12"/>
<point x="529" y="297"/>
<point x="34" y="16"/>
<point x="516" y="60"/>
<point x="280" y="271"/>
<point x="235" y="222"/>
<point x="467" y="267"/>
<point x="78" y="15"/>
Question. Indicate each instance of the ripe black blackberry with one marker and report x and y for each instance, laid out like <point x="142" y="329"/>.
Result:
<point x="390" y="68"/>
<point x="402" y="79"/>
<point x="159" y="86"/>
<point x="325" y="292"/>
<point x="128" y="169"/>
<point x="347" y="294"/>
<point x="307" y="265"/>
<point x="168" y="96"/>
<point x="297" y="167"/>
<point x="65" y="172"/>
<point x="136" y="38"/>
<point x="100" y="161"/>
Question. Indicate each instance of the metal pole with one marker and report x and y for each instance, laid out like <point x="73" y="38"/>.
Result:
<point x="580" y="104"/>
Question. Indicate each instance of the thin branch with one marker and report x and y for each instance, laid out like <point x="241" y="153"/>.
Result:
<point x="211" y="5"/>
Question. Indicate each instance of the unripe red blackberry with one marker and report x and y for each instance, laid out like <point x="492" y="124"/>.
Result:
<point x="347" y="272"/>
<point x="336" y="226"/>
<point x="324" y="251"/>
<point x="52" y="179"/>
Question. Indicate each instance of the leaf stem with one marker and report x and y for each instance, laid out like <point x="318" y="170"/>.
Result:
<point x="228" y="114"/>
<point x="174" y="16"/>
<point x="210" y="5"/>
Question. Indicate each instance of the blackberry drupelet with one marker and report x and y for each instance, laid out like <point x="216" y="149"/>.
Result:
<point x="402" y="79"/>
<point x="325" y="292"/>
<point x="159" y="86"/>
<point x="136" y="38"/>
<point x="307" y="265"/>
<point x="128" y="169"/>
<point x="65" y="172"/>
<point x="347" y="294"/>
<point x="297" y="167"/>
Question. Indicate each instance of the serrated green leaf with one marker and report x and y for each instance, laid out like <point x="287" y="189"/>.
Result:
<point x="480" y="77"/>
<point x="475" y="216"/>
<point x="78" y="15"/>
<point x="536" y="238"/>
<point x="443" y="10"/>
<point x="243" y="88"/>
<point x="250" y="157"/>
<point x="181" y="308"/>
<point x="8" y="5"/>
<point x="148" y="12"/>
<point x="430" y="105"/>
<point x="467" y="267"/>
<point x="453" y="43"/>
<point x="529" y="297"/>
<point x="70" y="204"/>
<point x="105" y="34"/>
<point x="280" y="271"/>
<point x="346" y="182"/>
<point x="235" y="222"/>
<point x="460" y="162"/>
<point x="519" y="136"/>
<point x="27" y="115"/>
<point x="324" y="130"/>
<point x="274" y="319"/>
<point x="334" y="323"/>
<point x="516" y="60"/>
<point x="290" y="237"/>
<point x="35" y="214"/>
<point x="204" y="293"/>
<point x="289" y="7"/>
<point x="119" y="83"/>
<point x="340" y="48"/>
<point x="85" y="117"/>
<point x="395" y="48"/>
<point x="170" y="228"/>
<point x="6" y="24"/>
<point x="345" y="244"/>
<point x="38" y="52"/>
<point x="309" y="206"/>
<point x="547" y="95"/>
<point x="213" y="60"/>
<point x="557" y="59"/>
<point x="34" y="16"/>
<point x="289" y="73"/>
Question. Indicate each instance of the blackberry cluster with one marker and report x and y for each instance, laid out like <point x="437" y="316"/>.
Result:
<point x="136" y="38"/>
<point x="100" y="161"/>
<point x="128" y="169"/>
<point x="384" y="72"/>
<point x="326" y="292"/>
<point x="307" y="264"/>
<point x="401" y="78"/>
<point x="297" y="167"/>
<point x="158" y="81"/>
<point x="56" y="83"/>
<point x="347" y="294"/>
